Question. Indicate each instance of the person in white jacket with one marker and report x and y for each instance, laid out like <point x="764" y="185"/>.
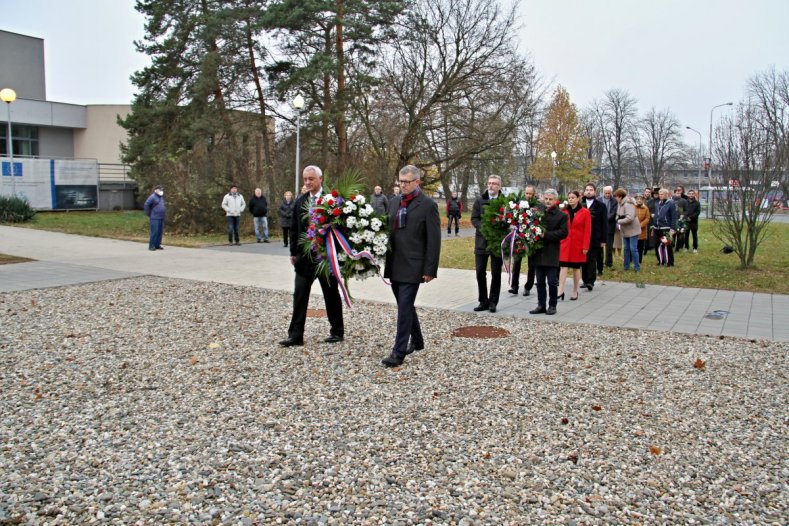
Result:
<point x="233" y="204"/>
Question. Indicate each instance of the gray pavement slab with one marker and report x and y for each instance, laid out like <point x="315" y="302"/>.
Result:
<point x="63" y="259"/>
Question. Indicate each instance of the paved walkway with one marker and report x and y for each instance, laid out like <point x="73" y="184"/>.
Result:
<point x="64" y="259"/>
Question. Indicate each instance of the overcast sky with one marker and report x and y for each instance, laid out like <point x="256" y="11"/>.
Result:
<point x="685" y="55"/>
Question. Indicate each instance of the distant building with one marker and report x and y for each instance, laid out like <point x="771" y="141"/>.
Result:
<point x="66" y="156"/>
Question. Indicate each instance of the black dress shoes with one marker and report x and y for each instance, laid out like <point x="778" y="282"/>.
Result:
<point x="333" y="339"/>
<point x="590" y="288"/>
<point x="481" y="307"/>
<point x="413" y="347"/>
<point x="492" y="307"/>
<point x="393" y="360"/>
<point x="550" y="311"/>
<point x="538" y="310"/>
<point x="513" y="290"/>
<point x="290" y="342"/>
<point x="526" y="292"/>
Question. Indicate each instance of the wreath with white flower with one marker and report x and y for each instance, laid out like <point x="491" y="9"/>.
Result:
<point x="345" y="235"/>
<point x="512" y="226"/>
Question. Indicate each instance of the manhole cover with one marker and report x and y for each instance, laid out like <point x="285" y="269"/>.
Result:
<point x="716" y="314"/>
<point x="480" y="331"/>
<point x="316" y="313"/>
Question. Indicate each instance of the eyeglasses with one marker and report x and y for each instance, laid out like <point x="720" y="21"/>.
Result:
<point x="406" y="181"/>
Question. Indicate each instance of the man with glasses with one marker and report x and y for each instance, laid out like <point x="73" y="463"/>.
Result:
<point x="416" y="245"/>
<point x="481" y="253"/>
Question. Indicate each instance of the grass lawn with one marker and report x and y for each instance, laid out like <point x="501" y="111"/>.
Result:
<point x="130" y="225"/>
<point x="5" y="259"/>
<point x="707" y="269"/>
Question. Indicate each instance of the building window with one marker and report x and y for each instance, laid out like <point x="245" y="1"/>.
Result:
<point x="25" y="139"/>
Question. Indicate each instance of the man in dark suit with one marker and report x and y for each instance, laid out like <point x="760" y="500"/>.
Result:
<point x="482" y="254"/>
<point x="304" y="265"/>
<point x="599" y="215"/>
<point x="611" y="206"/>
<point x="531" y="196"/>
<point x="416" y="244"/>
<point x="547" y="258"/>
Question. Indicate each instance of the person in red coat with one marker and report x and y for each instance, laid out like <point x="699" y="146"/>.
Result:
<point x="575" y="246"/>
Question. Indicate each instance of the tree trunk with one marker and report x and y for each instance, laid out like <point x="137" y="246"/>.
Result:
<point x="340" y="127"/>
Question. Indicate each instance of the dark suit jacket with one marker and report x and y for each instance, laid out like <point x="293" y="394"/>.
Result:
<point x="599" y="222"/>
<point x="556" y="228"/>
<point x="415" y="248"/>
<point x="299" y="225"/>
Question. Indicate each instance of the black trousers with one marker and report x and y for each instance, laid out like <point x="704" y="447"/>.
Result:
<point x="496" y="263"/>
<point x="551" y="275"/>
<point x="589" y="269"/>
<point x="456" y="219"/>
<point x="693" y="229"/>
<point x="642" y="249"/>
<point x="407" y="320"/>
<point x="516" y="273"/>
<point x="301" y="300"/>
<point x="286" y="234"/>
<point x="609" y="246"/>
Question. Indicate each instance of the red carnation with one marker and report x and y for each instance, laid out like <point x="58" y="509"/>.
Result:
<point x="319" y="201"/>
<point x="321" y="219"/>
<point x="335" y="193"/>
<point x="336" y="211"/>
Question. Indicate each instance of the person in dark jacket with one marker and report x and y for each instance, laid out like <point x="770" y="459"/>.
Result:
<point x="304" y="266"/>
<point x="286" y="215"/>
<point x="378" y="201"/>
<point x="413" y="260"/>
<point x="599" y="235"/>
<point x="154" y="209"/>
<point x="547" y="258"/>
<point x="481" y="252"/>
<point x="258" y="207"/>
<point x="692" y="213"/>
<point x="610" y="205"/>
<point x="665" y="226"/>
<point x="454" y="212"/>
<point x="530" y="194"/>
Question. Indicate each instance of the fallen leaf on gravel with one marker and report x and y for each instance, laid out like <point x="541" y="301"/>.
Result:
<point x="596" y="408"/>
<point x="573" y="457"/>
<point x="193" y="360"/>
<point x="213" y="345"/>
<point x="699" y="363"/>
<point x="638" y="433"/>
<point x="565" y="420"/>
<point x="655" y="450"/>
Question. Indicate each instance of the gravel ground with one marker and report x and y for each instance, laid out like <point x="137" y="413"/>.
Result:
<point x="156" y="401"/>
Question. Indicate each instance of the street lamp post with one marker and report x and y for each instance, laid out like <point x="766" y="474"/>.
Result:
<point x="8" y="96"/>
<point x="702" y="157"/>
<point x="553" y="171"/>
<point x="298" y="104"/>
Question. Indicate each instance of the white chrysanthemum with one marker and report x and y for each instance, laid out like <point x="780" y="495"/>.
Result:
<point x="538" y="231"/>
<point x="364" y="223"/>
<point x="359" y="199"/>
<point x="349" y="207"/>
<point x="350" y="222"/>
<point x="368" y="236"/>
<point x="366" y="210"/>
<point x="524" y="205"/>
<point x="381" y="239"/>
<point x="355" y="238"/>
<point x="512" y="205"/>
<point x="342" y="256"/>
<point x="379" y="249"/>
<point x="376" y="224"/>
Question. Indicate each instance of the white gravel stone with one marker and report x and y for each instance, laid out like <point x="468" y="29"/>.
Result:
<point x="155" y="401"/>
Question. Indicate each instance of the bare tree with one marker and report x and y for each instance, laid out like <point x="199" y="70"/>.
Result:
<point x="453" y="89"/>
<point x="656" y="145"/>
<point x="769" y="91"/>
<point x="616" y="115"/>
<point x="750" y="162"/>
